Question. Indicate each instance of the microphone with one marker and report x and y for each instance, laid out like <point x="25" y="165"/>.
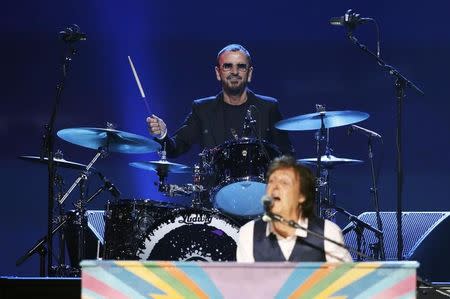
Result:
<point x="72" y="34"/>
<point x="267" y="202"/>
<point x="109" y="186"/>
<point x="350" y="20"/>
<point x="365" y="131"/>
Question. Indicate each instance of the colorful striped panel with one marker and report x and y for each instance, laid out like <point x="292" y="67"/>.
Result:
<point x="162" y="280"/>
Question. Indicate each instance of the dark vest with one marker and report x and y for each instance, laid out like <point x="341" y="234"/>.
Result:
<point x="309" y="249"/>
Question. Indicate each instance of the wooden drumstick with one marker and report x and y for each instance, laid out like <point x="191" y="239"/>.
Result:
<point x="138" y="82"/>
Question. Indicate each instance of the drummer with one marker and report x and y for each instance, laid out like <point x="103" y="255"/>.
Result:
<point x="216" y="119"/>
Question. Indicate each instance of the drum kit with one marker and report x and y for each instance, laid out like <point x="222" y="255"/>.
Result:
<point x="227" y="185"/>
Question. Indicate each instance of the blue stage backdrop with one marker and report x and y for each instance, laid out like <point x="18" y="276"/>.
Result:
<point x="298" y="56"/>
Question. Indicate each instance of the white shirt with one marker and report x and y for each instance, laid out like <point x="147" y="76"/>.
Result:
<point x="333" y="252"/>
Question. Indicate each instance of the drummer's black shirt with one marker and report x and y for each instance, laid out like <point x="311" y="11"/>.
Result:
<point x="233" y="117"/>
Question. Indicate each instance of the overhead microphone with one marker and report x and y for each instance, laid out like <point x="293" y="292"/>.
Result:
<point x="109" y="186"/>
<point x="72" y="34"/>
<point x="365" y="131"/>
<point x="349" y="19"/>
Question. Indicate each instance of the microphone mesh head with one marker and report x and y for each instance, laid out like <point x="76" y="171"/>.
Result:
<point x="266" y="218"/>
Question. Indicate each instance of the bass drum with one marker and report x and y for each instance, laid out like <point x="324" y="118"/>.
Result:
<point x="192" y="235"/>
<point x="127" y="222"/>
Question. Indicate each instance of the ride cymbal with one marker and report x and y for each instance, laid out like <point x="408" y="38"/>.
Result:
<point x="313" y="121"/>
<point x="112" y="140"/>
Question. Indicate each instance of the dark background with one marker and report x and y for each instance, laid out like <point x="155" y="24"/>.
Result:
<point x="299" y="58"/>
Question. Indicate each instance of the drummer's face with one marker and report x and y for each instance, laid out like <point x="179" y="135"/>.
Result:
<point x="284" y="187"/>
<point x="234" y="71"/>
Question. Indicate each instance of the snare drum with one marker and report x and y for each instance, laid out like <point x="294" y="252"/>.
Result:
<point x="191" y="235"/>
<point x="240" y="168"/>
<point x="127" y="222"/>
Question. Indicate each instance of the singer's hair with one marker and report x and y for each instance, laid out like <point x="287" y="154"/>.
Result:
<point x="235" y="48"/>
<point x="305" y="176"/>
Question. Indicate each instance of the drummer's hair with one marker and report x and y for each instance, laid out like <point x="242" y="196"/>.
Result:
<point x="235" y="48"/>
<point x="306" y="177"/>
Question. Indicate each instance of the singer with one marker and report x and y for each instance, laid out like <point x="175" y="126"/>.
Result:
<point x="213" y="119"/>
<point x="291" y="192"/>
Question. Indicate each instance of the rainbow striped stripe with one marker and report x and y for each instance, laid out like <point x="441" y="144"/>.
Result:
<point x="162" y="279"/>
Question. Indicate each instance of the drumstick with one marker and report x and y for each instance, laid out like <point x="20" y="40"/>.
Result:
<point x="138" y="82"/>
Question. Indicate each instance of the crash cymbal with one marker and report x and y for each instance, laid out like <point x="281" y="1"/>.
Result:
<point x="329" y="161"/>
<point x="312" y="121"/>
<point x="163" y="165"/>
<point x="61" y="162"/>
<point x="112" y="140"/>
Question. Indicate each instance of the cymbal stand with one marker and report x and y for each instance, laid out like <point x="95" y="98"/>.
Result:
<point x="101" y="152"/>
<point x="319" y="138"/>
<point x="40" y="247"/>
<point x="179" y="190"/>
<point x="59" y="183"/>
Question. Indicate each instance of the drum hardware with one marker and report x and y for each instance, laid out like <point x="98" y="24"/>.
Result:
<point x="104" y="141"/>
<point x="40" y="247"/>
<point x="48" y="138"/>
<point x="321" y="121"/>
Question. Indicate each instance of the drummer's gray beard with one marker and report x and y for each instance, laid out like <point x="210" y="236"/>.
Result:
<point x="234" y="90"/>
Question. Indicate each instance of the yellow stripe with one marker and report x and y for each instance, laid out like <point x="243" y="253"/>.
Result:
<point x="138" y="269"/>
<point x="170" y="268"/>
<point x="318" y="275"/>
<point x="360" y="270"/>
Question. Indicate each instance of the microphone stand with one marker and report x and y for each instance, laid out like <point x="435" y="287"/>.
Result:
<point x="374" y="191"/>
<point x="401" y="82"/>
<point x="48" y="146"/>
<point x="294" y="224"/>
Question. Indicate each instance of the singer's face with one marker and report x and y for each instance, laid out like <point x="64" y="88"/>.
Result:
<point x="234" y="72"/>
<point x="284" y="187"/>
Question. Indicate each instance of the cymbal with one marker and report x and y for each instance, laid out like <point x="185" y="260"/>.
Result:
<point x="329" y="161"/>
<point x="312" y="121"/>
<point x="113" y="140"/>
<point x="61" y="162"/>
<point x="163" y="165"/>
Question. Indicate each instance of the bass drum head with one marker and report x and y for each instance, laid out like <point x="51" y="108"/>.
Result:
<point x="192" y="235"/>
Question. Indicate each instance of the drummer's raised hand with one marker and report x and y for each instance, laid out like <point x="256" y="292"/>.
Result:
<point x="156" y="126"/>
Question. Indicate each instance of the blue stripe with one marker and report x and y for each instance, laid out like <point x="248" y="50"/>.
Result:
<point x="299" y="275"/>
<point x="200" y="277"/>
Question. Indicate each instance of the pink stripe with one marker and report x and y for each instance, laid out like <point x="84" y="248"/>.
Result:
<point x="403" y="287"/>
<point x="99" y="287"/>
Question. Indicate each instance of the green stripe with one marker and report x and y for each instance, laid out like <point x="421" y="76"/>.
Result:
<point x="172" y="281"/>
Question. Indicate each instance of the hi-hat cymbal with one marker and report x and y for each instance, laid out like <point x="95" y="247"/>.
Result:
<point x="313" y="121"/>
<point x="162" y="165"/>
<point x="61" y="162"/>
<point x="329" y="161"/>
<point x="112" y="140"/>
